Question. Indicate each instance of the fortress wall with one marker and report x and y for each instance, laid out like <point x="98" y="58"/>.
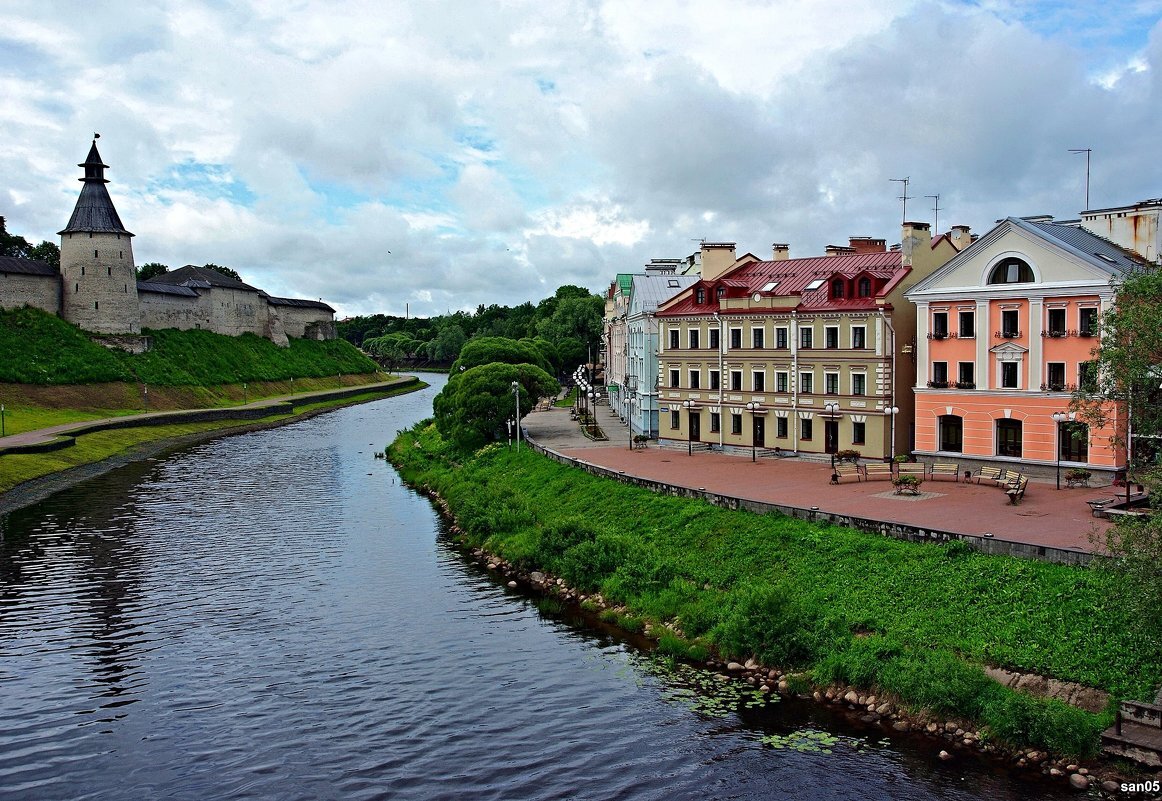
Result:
<point x="99" y="284"/>
<point x="174" y="311"/>
<point x="236" y="311"/>
<point x="38" y="291"/>
<point x="309" y="323"/>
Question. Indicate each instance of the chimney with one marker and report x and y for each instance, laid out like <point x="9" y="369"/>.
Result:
<point x="913" y="237"/>
<point x="865" y="244"/>
<point x="716" y="259"/>
<point x="960" y="237"/>
<point x="838" y="250"/>
<point x="780" y="251"/>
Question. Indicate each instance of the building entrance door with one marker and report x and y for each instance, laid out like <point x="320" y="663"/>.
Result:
<point x="831" y="436"/>
<point x="760" y="431"/>
<point x="696" y="427"/>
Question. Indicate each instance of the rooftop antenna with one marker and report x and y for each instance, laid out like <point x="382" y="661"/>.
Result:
<point x="1086" y="151"/>
<point x="903" y="197"/>
<point x="936" y="209"/>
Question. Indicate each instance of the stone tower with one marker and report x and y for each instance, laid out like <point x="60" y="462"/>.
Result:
<point x="99" y="281"/>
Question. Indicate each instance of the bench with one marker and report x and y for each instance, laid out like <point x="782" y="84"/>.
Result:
<point x="877" y="470"/>
<point x="945" y="469"/>
<point x="988" y="474"/>
<point x="918" y="469"/>
<point x="1017" y="491"/>
<point x="844" y="470"/>
<point x="1099" y="506"/>
<point x="1009" y="478"/>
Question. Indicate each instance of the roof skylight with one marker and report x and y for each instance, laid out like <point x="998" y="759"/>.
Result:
<point x="818" y="282"/>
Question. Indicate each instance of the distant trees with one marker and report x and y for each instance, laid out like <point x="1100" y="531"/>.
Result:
<point x="224" y="270"/>
<point x="474" y="405"/>
<point x="21" y="248"/>
<point x="150" y="270"/>
<point x="486" y="350"/>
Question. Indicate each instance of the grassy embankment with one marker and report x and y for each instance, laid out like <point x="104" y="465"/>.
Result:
<point x="52" y="373"/>
<point x="916" y="621"/>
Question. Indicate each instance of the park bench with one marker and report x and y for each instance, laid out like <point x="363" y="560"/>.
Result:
<point x="1016" y="491"/>
<point x="1009" y="478"/>
<point x="945" y="469"/>
<point x="918" y="469"/>
<point x="877" y="470"/>
<point x="843" y="470"/>
<point x="1098" y="507"/>
<point x="988" y="474"/>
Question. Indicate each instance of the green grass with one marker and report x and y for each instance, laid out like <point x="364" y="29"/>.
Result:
<point x="915" y="620"/>
<point x="19" y="419"/>
<point x="567" y="401"/>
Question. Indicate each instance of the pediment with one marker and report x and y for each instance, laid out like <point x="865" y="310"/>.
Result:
<point x="1008" y="349"/>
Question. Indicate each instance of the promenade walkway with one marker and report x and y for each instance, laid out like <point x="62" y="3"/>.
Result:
<point x="1046" y="517"/>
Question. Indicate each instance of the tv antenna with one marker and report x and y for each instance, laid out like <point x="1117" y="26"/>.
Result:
<point x="1086" y="151"/>
<point x="936" y="209"/>
<point x="903" y="197"/>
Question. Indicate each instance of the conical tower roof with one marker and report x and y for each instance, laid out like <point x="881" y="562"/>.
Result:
<point x="94" y="212"/>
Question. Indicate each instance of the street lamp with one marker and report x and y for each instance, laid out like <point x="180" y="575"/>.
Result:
<point x="689" y="406"/>
<point x="1059" y="418"/>
<point x="831" y="411"/>
<point x="752" y="407"/>
<point x="892" y="411"/>
<point x="516" y="395"/>
<point x="510" y="423"/>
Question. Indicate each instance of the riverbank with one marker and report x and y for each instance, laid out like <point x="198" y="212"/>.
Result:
<point x="917" y="622"/>
<point x="26" y="478"/>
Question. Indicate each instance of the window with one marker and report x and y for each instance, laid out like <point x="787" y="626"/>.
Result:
<point x="674" y="421"/>
<point x="1008" y="375"/>
<point x="673" y="377"/>
<point x="714" y="339"/>
<point x="1073" y="441"/>
<point x="756" y="338"/>
<point x="720" y="293"/>
<point x="759" y="381"/>
<point x="700" y="296"/>
<point x="805" y="428"/>
<point x="966" y="375"/>
<point x="714" y="379"/>
<point x="1011" y="271"/>
<point x="1056" y="376"/>
<point x="939" y="325"/>
<point x="695" y="378"/>
<point x="858" y="433"/>
<point x="939" y="375"/>
<point x="736" y="380"/>
<point x="951" y="433"/>
<point x="1057" y="322"/>
<point x="806" y="381"/>
<point x="831" y="337"/>
<point x="967" y="325"/>
<point x="1087" y="376"/>
<point x="715" y="422"/>
<point x="864" y="287"/>
<point x="858" y="336"/>
<point x="1010" y="328"/>
<point x="815" y="284"/>
<point x="694" y="332"/>
<point x="1009" y="438"/>
<point x="735" y="423"/>
<point x="736" y="337"/>
<point x="110" y="271"/>
<point x="1087" y="322"/>
<point x="858" y="384"/>
<point x="780" y="337"/>
<point x="674" y="338"/>
<point x="806" y="335"/>
<point x="831" y="383"/>
<point x="781" y="427"/>
<point x="837" y="288"/>
<point x="781" y="382"/>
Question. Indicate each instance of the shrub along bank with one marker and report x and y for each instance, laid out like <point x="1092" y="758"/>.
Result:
<point x="917" y="621"/>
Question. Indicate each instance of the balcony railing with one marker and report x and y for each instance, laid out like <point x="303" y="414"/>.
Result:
<point x="941" y="335"/>
<point x="1007" y="334"/>
<point x="938" y="385"/>
<point x="1055" y="386"/>
<point x="966" y="385"/>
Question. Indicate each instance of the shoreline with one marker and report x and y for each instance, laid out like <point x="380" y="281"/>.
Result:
<point x="38" y="489"/>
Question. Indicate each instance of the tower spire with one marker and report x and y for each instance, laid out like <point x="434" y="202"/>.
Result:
<point x="94" y="212"/>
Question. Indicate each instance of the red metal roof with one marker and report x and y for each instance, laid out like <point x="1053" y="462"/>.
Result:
<point x="791" y="277"/>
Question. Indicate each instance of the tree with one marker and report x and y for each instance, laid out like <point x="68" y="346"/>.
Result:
<point x="46" y="251"/>
<point x="224" y="270"/>
<point x="151" y="270"/>
<point x="474" y="406"/>
<point x="486" y="350"/>
<point x="21" y="248"/>
<point x="446" y="346"/>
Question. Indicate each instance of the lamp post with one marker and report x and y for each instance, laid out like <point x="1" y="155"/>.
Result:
<point x="752" y="407"/>
<point x="245" y="396"/>
<point x="2" y="430"/>
<point x="516" y="395"/>
<point x="509" y="422"/>
<point x="892" y="411"/>
<point x="689" y="406"/>
<point x="831" y="410"/>
<point x="1059" y="418"/>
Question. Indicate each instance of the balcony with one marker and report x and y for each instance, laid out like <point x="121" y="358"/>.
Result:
<point x="1055" y="386"/>
<point x="966" y="385"/>
<point x="941" y="335"/>
<point x="1007" y="334"/>
<point x="937" y="385"/>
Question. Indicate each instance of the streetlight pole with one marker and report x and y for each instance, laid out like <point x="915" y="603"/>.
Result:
<point x="752" y="407"/>
<point x="831" y="409"/>
<point x="1059" y="418"/>
<point x="892" y="411"/>
<point x="516" y="395"/>
<point x="689" y="406"/>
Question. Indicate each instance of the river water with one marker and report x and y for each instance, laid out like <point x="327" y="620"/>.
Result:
<point x="272" y="615"/>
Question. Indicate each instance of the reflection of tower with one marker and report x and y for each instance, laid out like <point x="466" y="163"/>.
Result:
<point x="99" y="282"/>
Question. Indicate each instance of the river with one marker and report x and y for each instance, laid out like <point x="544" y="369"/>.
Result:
<point x="273" y="615"/>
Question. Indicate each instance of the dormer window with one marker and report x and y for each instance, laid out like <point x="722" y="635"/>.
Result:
<point x="864" y="288"/>
<point x="700" y="296"/>
<point x="720" y="293"/>
<point x="1011" y="271"/>
<point x="837" y="288"/>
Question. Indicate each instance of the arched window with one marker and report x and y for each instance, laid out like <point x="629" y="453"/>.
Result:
<point x="837" y="288"/>
<point x="864" y="287"/>
<point x="1011" y="271"/>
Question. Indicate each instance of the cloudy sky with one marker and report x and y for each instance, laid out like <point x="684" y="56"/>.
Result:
<point x="444" y="154"/>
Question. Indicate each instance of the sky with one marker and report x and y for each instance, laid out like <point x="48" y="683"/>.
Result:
<point x="433" y="156"/>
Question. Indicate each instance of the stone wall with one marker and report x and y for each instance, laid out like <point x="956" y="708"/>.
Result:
<point x="99" y="283"/>
<point x="307" y="323"/>
<point x="174" y="311"/>
<point x="39" y="291"/>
